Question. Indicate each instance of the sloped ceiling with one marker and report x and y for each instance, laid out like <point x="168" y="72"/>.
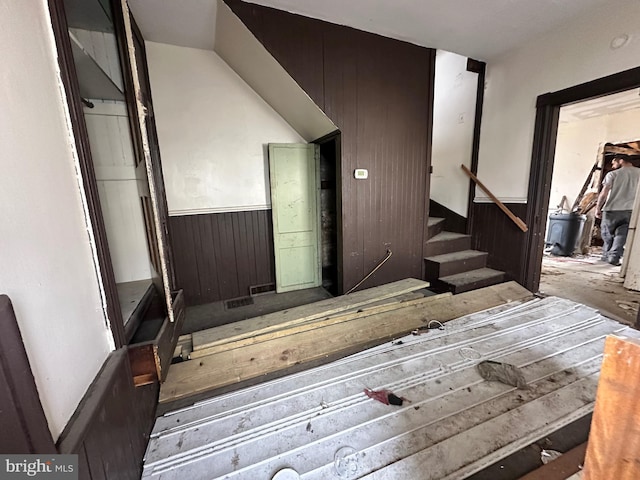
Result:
<point x="184" y="23"/>
<point x="478" y="29"/>
<point x="210" y="25"/>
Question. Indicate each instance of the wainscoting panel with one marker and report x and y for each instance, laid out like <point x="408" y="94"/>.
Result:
<point x="492" y="231"/>
<point x="218" y="256"/>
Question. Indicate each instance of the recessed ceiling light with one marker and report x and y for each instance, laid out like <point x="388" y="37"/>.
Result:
<point x="619" y="41"/>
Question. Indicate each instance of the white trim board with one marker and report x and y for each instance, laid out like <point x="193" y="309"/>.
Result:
<point x="202" y="211"/>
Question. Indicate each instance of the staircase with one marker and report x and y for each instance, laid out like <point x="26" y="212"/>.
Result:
<point x="451" y="265"/>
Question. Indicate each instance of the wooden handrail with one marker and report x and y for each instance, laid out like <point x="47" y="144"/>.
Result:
<point x="521" y="225"/>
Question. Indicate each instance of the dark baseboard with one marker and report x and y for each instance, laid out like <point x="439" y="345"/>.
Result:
<point x="453" y="222"/>
<point x="110" y="429"/>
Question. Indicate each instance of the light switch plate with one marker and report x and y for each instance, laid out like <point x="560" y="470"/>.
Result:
<point x="361" y="173"/>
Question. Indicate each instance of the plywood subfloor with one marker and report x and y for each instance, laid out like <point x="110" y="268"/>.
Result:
<point x="320" y="423"/>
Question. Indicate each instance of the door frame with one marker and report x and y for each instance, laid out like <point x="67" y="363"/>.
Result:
<point x="544" y="146"/>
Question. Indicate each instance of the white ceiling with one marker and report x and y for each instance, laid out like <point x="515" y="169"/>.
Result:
<point x="615" y="103"/>
<point x="480" y="29"/>
<point x="185" y="23"/>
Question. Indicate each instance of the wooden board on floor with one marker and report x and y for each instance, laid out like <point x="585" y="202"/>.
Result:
<point x="232" y="366"/>
<point x="314" y="324"/>
<point x="614" y="439"/>
<point x="303" y="313"/>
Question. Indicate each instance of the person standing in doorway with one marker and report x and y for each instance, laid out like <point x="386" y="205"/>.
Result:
<point x="607" y="238"/>
<point x="614" y="206"/>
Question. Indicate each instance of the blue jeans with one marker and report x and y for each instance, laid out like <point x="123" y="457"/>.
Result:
<point x="617" y="224"/>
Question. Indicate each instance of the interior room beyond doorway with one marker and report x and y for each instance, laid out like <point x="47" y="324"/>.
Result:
<point x="589" y="135"/>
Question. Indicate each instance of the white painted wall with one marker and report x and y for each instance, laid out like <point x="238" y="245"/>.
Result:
<point x="578" y="53"/>
<point x="213" y="130"/>
<point x="46" y="254"/>
<point x="578" y="146"/>
<point x="453" y="121"/>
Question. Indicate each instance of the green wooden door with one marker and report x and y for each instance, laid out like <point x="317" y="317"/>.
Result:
<point x="295" y="200"/>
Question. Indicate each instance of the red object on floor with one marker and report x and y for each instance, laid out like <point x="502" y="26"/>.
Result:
<point x="384" y="396"/>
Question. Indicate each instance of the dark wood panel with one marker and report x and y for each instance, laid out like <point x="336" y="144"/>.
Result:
<point x="110" y="428"/>
<point x="219" y="256"/>
<point x="453" y="222"/>
<point x="21" y="412"/>
<point x="493" y="232"/>
<point x="378" y="91"/>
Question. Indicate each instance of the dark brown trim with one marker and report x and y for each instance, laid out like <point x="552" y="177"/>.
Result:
<point x="339" y="213"/>
<point x="127" y="77"/>
<point x="429" y="147"/>
<point x="475" y="66"/>
<point x="618" y="82"/>
<point x="479" y="68"/>
<point x="154" y="146"/>
<point x="335" y="139"/>
<point x="335" y="135"/>
<point x="70" y="83"/>
<point x="544" y="147"/>
<point x="544" y="142"/>
<point x="21" y="412"/>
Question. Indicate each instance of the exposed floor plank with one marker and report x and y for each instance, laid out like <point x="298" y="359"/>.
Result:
<point x="278" y="320"/>
<point x="291" y="329"/>
<point x="452" y="425"/>
<point x="250" y="361"/>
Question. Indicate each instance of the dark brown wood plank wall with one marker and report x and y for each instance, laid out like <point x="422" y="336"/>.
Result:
<point x="378" y="91"/>
<point x="493" y="232"/>
<point x="219" y="256"/>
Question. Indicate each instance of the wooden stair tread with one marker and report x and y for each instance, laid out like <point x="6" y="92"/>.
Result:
<point x="471" y="276"/>
<point x="446" y="236"/>
<point x="455" y="256"/>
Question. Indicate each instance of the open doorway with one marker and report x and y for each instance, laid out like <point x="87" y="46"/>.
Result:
<point x="590" y="134"/>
